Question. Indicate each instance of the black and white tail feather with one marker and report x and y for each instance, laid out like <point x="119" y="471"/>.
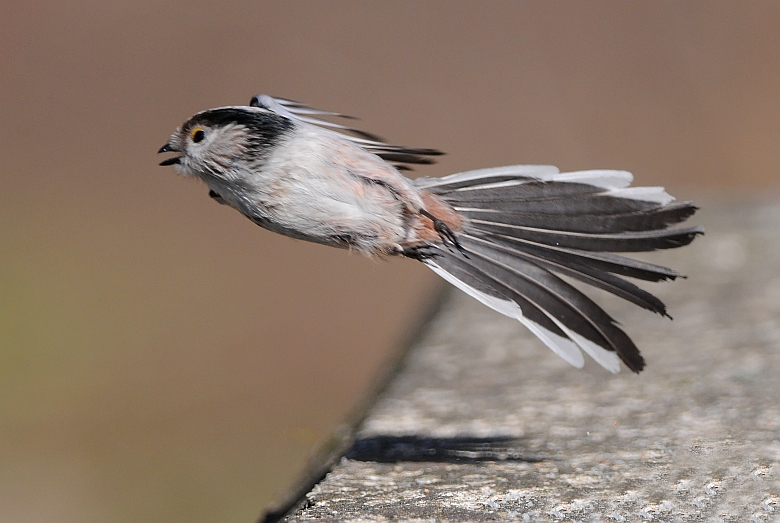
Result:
<point x="527" y="224"/>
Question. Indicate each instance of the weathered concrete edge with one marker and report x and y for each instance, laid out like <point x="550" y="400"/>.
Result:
<point x="341" y="438"/>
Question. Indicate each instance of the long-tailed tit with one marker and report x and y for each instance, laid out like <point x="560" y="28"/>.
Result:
<point x="501" y="235"/>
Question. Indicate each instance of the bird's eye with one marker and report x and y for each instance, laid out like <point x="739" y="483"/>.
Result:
<point x="197" y="135"/>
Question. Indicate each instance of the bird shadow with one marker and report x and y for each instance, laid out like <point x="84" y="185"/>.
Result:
<point x="460" y="449"/>
<point x="399" y="449"/>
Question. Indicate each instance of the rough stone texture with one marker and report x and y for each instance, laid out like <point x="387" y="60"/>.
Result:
<point x="485" y="423"/>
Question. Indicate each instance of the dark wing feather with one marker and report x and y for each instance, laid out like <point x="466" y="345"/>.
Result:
<point x="398" y="155"/>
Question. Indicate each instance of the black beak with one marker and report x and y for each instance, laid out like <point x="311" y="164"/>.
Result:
<point x="168" y="149"/>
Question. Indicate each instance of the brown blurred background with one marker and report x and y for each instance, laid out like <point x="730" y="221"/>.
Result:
<point x="162" y="358"/>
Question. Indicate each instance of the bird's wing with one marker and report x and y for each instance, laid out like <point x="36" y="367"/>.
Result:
<point x="398" y="155"/>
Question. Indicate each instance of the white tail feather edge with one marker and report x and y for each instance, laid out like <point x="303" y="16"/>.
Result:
<point x="608" y="360"/>
<point x="645" y="194"/>
<point x="566" y="349"/>
<point x="604" y="178"/>
<point x="532" y="171"/>
<point x="616" y="183"/>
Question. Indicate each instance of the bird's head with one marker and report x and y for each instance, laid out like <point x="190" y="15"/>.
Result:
<point x="216" y="142"/>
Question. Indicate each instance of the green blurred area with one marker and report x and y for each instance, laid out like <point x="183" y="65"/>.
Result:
<point x="162" y="358"/>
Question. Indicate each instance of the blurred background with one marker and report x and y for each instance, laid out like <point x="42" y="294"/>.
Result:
<point x="164" y="359"/>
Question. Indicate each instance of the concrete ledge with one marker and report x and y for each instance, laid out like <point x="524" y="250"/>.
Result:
<point x="485" y="423"/>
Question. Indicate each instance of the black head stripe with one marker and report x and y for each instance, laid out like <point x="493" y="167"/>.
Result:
<point x="266" y="127"/>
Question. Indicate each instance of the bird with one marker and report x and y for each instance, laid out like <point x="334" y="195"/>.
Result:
<point x="507" y="236"/>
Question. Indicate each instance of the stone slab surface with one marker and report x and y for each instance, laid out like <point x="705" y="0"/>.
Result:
<point x="485" y="424"/>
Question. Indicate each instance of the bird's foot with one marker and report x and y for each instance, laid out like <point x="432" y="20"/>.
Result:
<point x="421" y="252"/>
<point x="445" y="233"/>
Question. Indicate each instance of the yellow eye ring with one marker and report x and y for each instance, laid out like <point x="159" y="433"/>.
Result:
<point x="197" y="134"/>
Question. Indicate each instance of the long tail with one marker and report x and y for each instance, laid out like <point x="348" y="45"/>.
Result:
<point x="525" y="225"/>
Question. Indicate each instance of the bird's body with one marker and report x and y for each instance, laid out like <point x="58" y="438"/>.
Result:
<point x="334" y="192"/>
<point x="500" y="234"/>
